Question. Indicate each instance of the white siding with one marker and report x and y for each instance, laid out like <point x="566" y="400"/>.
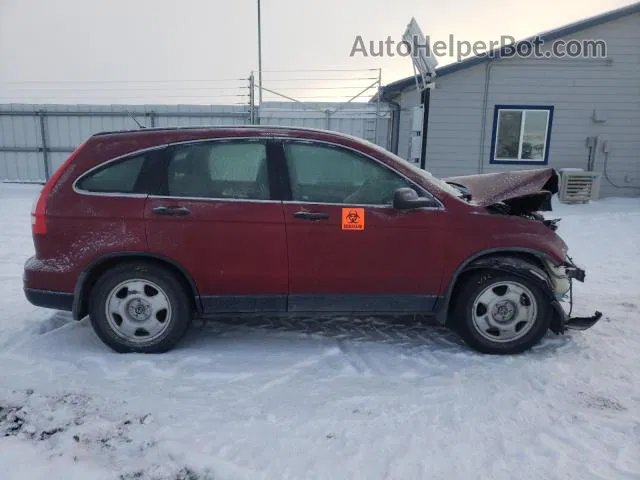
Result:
<point x="407" y="101"/>
<point x="455" y="123"/>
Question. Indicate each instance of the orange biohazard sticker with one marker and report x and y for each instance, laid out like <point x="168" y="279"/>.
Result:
<point x="353" y="219"/>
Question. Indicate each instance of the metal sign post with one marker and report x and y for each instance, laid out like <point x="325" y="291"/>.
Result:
<point x="424" y="69"/>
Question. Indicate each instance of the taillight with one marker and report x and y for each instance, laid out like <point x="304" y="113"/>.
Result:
<point x="39" y="211"/>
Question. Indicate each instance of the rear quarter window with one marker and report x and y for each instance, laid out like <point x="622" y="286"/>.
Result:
<point x="117" y="177"/>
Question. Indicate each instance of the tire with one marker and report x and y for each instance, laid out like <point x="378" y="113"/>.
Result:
<point x="501" y="313"/>
<point x="139" y="307"/>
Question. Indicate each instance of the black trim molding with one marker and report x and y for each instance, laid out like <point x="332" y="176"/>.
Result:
<point x="244" y="303"/>
<point x="49" y="299"/>
<point x="319" y="303"/>
<point x="382" y="303"/>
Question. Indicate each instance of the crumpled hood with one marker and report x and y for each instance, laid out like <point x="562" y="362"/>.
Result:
<point x="534" y="187"/>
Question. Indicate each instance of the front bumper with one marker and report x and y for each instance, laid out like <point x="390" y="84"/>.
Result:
<point x="566" y="321"/>
<point x="574" y="272"/>
<point x="582" y="323"/>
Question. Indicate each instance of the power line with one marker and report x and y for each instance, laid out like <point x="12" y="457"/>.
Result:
<point x="123" y="81"/>
<point x="124" y="89"/>
<point x="328" y="88"/>
<point x="119" y="97"/>
<point x="155" y="89"/>
<point x="315" y="96"/>
<point x="335" y="88"/>
<point x="321" y="79"/>
<point x="324" y="70"/>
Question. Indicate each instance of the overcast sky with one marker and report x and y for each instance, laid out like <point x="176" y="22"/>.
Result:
<point x="136" y="51"/>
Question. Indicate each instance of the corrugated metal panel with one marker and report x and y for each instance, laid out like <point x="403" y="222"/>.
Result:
<point x="21" y="167"/>
<point x="56" y="159"/>
<point x="172" y="121"/>
<point x="67" y="126"/>
<point x="19" y="131"/>
<point x="355" y="119"/>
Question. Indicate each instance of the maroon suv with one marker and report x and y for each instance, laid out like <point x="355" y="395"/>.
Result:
<point x="142" y="230"/>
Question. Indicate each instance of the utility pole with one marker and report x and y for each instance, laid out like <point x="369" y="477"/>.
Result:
<point x="252" y="99"/>
<point x="259" y="56"/>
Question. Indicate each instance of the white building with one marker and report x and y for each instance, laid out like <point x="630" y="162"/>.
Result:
<point x="488" y="114"/>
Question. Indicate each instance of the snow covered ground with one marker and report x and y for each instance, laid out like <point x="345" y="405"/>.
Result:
<point x="312" y="399"/>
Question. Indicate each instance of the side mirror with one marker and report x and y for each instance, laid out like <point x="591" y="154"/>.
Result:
<point x="406" y="199"/>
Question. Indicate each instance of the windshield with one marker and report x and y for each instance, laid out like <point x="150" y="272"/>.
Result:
<point x="438" y="182"/>
<point x="441" y="184"/>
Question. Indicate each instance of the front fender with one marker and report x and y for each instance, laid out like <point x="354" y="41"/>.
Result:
<point x="516" y="264"/>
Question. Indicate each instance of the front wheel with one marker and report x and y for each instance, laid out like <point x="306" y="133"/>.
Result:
<point x="139" y="307"/>
<point x="501" y="313"/>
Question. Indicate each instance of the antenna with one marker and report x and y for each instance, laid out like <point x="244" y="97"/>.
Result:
<point x="135" y="120"/>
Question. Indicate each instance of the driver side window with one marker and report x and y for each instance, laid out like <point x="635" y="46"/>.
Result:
<point x="326" y="174"/>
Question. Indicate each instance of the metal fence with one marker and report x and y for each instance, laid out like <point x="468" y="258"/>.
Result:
<point x="363" y="120"/>
<point x="35" y="139"/>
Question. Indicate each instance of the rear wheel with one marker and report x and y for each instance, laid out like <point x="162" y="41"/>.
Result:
<point x="139" y="307"/>
<point x="501" y="313"/>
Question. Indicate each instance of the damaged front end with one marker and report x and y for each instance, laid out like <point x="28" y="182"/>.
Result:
<point x="525" y="194"/>
<point x="513" y="192"/>
<point x="561" y="284"/>
<point x="555" y="280"/>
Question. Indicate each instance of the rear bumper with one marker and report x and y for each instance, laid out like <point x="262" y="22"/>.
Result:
<point x="49" y="299"/>
<point x="37" y="278"/>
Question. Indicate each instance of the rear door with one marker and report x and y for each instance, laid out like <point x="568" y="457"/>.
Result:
<point x="215" y="217"/>
<point x="101" y="214"/>
<point x="349" y="249"/>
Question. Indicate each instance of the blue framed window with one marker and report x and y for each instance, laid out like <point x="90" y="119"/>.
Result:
<point x="521" y="134"/>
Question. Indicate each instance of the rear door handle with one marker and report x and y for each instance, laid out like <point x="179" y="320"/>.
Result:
<point x="313" y="216"/>
<point x="172" y="211"/>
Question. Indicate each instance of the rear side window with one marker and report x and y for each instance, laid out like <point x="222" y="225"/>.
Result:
<point x="235" y="170"/>
<point x="117" y="177"/>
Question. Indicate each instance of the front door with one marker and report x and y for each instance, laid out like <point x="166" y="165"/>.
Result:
<point x="216" y="219"/>
<point x="349" y="249"/>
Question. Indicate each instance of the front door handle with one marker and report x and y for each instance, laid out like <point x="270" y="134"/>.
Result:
<point x="172" y="211"/>
<point x="312" y="216"/>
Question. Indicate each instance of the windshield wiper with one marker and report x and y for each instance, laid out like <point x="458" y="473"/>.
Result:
<point x="464" y="191"/>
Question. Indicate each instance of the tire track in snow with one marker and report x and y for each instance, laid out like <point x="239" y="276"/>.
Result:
<point x="354" y="359"/>
<point x="372" y="346"/>
<point x="296" y="369"/>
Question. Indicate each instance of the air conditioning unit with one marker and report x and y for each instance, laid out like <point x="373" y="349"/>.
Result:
<point x="578" y="186"/>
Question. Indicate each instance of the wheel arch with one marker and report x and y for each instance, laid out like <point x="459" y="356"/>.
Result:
<point x="520" y="261"/>
<point x="97" y="267"/>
